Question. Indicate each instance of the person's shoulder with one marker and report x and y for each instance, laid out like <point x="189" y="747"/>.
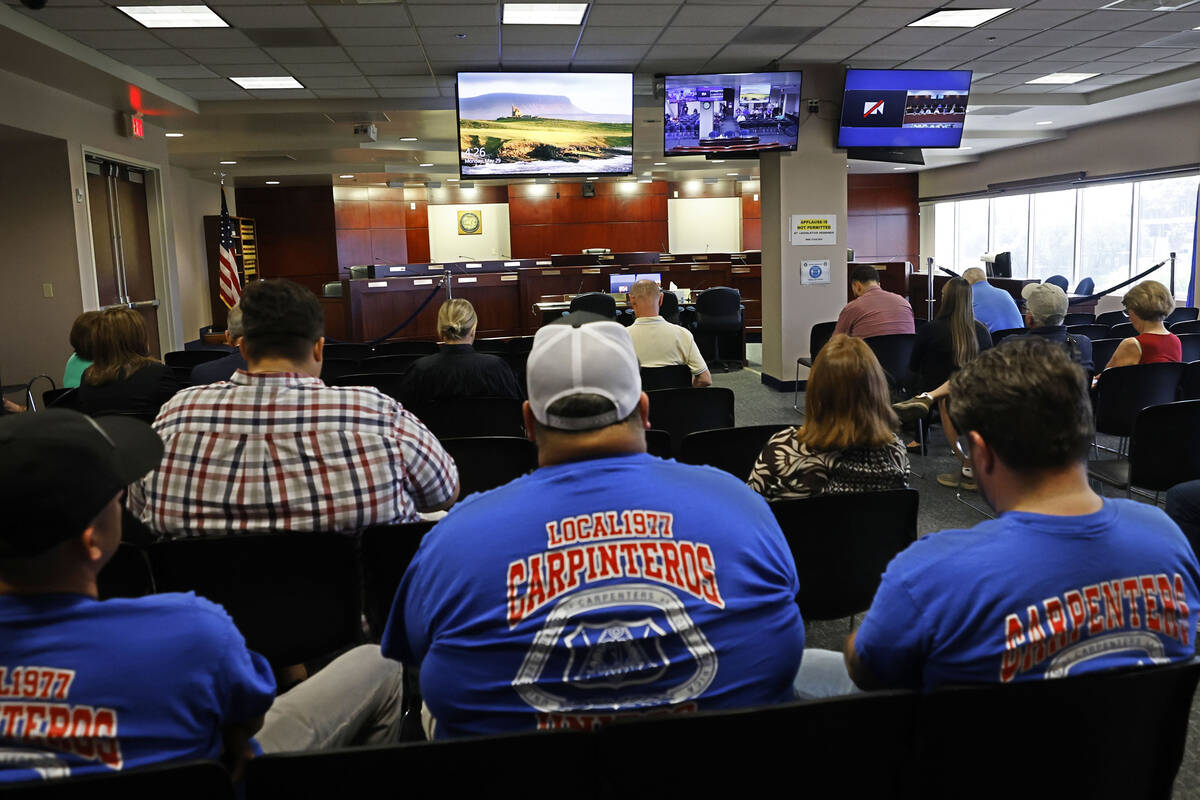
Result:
<point x="943" y="549"/>
<point x="183" y="613"/>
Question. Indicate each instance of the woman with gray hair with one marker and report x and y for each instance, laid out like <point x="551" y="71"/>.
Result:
<point x="1148" y="304"/>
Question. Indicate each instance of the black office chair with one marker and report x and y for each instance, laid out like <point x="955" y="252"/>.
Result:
<point x="348" y="351"/>
<point x="731" y="449"/>
<point x="1091" y="331"/>
<point x="473" y="416"/>
<point x="60" y="398"/>
<point x="842" y="543"/>
<point x="1190" y="346"/>
<point x="1122" y="331"/>
<point x="187" y="359"/>
<point x="334" y="368"/>
<point x="1164" y="450"/>
<point x="1085" y="287"/>
<point x="387" y="382"/>
<point x="1122" y="392"/>
<point x="192" y="779"/>
<point x="388" y="363"/>
<point x="331" y="289"/>
<point x="658" y="443"/>
<point x="595" y="303"/>
<point x="684" y="411"/>
<point x="359" y="271"/>
<point x="676" y="376"/>
<point x="894" y="352"/>
<point x="127" y="574"/>
<point x="1102" y="351"/>
<point x="1059" y="281"/>
<point x="818" y="336"/>
<point x="385" y="553"/>
<point x="294" y="596"/>
<point x="719" y="314"/>
<point x="1001" y="335"/>
<point x="485" y="462"/>
<point x="491" y="346"/>
<point x="1182" y="314"/>
<point x="669" y="310"/>
<point x="1187" y="326"/>
<point x="517" y="362"/>
<point x="406" y="348"/>
<point x="1111" y="318"/>
<point x="1079" y="318"/>
<point x="1189" y="382"/>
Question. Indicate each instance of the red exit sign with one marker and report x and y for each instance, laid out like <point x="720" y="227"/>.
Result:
<point x="136" y="127"/>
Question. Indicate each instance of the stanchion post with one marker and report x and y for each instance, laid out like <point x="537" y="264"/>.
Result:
<point x="929" y="289"/>
<point x="1172" y="276"/>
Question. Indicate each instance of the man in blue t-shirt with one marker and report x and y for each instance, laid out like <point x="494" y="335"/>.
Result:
<point x="91" y="686"/>
<point x="1062" y="582"/>
<point x="993" y="306"/>
<point x="605" y="582"/>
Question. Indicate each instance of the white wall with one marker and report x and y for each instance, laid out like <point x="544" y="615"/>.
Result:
<point x="705" y="225"/>
<point x="192" y="198"/>
<point x="445" y="243"/>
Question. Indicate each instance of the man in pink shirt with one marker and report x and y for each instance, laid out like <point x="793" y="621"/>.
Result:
<point x="873" y="312"/>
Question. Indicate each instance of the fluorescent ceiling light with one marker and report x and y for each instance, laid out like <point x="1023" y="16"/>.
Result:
<point x="451" y="180"/>
<point x="425" y="165"/>
<point x="645" y="180"/>
<point x="1064" y="77"/>
<point x="660" y="163"/>
<point x="1045" y="122"/>
<point x="272" y="183"/>
<point x="286" y="82"/>
<point x="717" y="161"/>
<point x="173" y="135"/>
<point x="543" y="13"/>
<point x="958" y="17"/>
<point x="227" y="163"/>
<point x="174" y="16"/>
<point x="592" y="178"/>
<point x="345" y="176"/>
<point x="408" y="138"/>
<point x="732" y="174"/>
<point x="897" y="168"/>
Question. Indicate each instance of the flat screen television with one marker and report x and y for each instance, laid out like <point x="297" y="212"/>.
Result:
<point x="621" y="283"/>
<point x="894" y="108"/>
<point x="545" y="123"/>
<point x="731" y="114"/>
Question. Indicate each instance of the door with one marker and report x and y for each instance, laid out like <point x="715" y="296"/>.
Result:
<point x="120" y="220"/>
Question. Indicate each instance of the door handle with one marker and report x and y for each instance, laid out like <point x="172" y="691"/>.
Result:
<point x="133" y="304"/>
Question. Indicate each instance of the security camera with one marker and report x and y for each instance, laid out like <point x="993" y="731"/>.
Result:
<point x="36" y="5"/>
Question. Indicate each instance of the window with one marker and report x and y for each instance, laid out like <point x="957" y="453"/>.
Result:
<point x="1166" y="224"/>
<point x="943" y="234"/>
<point x="972" y="232"/>
<point x="1010" y="230"/>
<point x="1053" y="221"/>
<point x="1104" y="233"/>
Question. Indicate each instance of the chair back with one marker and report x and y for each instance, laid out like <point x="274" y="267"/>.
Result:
<point x="520" y="344"/>
<point x="178" y="780"/>
<point x="818" y="336"/>
<point x="1122" y="392"/>
<point x="190" y="358"/>
<point x="684" y="411"/>
<point x="1102" y="351"/>
<point x="491" y="346"/>
<point x="669" y="310"/>
<point x="1189" y="344"/>
<point x="676" y="376"/>
<point x="842" y="543"/>
<point x="893" y="351"/>
<point x="473" y="416"/>
<point x="731" y="449"/>
<point x="1001" y="335"/>
<point x="334" y="368"/>
<point x="1165" y="447"/>
<point x="1187" y="326"/>
<point x="1091" y="331"/>
<point x="1085" y="287"/>
<point x="719" y="310"/>
<point x="485" y="462"/>
<point x="350" y="351"/>
<point x="1123" y="330"/>
<point x="596" y="303"/>
<point x="360" y="271"/>
<point x="1079" y="318"/>
<point x="1111" y="318"/>
<point x="390" y="363"/>
<point x="518" y="362"/>
<point x="1182" y="314"/>
<point x="1059" y="281"/>
<point x="294" y="596"/>
<point x="60" y="398"/>
<point x="127" y="574"/>
<point x="331" y="289"/>
<point x="387" y="382"/>
<point x="1189" y="383"/>
<point x="386" y="551"/>
<point x="967" y="733"/>
<point x="658" y="443"/>
<point x="406" y="348"/>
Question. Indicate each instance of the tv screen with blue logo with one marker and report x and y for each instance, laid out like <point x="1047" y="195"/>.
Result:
<point x="904" y="107"/>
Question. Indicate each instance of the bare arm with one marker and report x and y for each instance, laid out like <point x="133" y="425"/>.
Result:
<point x="237" y="750"/>
<point x="1129" y="352"/>
<point x="862" y="677"/>
<point x="702" y="380"/>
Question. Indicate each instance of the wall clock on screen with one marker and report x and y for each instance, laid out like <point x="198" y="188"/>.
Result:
<point x="706" y="104"/>
<point x="469" y="223"/>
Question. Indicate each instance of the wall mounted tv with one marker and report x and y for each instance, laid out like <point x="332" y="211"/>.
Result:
<point x="728" y="115"/>
<point x="892" y="108"/>
<point x="545" y="123"/>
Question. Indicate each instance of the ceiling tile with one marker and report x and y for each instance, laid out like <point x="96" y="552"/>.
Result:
<point x="872" y="63"/>
<point x="1153" y="68"/>
<point x="830" y="3"/>
<point x="1080" y="5"/>
<point x="610" y="52"/>
<point x="716" y="15"/>
<point x="448" y="37"/>
<point x="104" y="40"/>
<point x="539" y="34"/>
<point x="308" y="55"/>
<point x="890" y="52"/>
<point x="145" y="58"/>
<point x="334" y="82"/>
<point x="1061" y="36"/>
<point x="230" y="55"/>
<point x="333" y="94"/>
<point x="805" y="16"/>
<point x="821" y="52"/>
<point x="990" y="38"/>
<point x="1186" y="56"/>
<point x="991" y="65"/>
<point x="232" y="94"/>
<point x="283" y="94"/>
<point x="881" y="17"/>
<point x="375" y="36"/>
<point x="403" y="82"/>
<point x="1173" y="22"/>
<point x="1162" y="53"/>
<point x="1047" y="65"/>
<point x="929" y="63"/>
<point x="857" y="36"/>
<point x="1089" y="53"/>
<point x="248" y="2"/>
<point x="253" y="70"/>
<point x="199" y="84"/>
<point x="1108" y="20"/>
<point x="676" y="52"/>
<point x="763" y="52"/>
<point x="269" y="16"/>
<point x="620" y="36"/>
<point x="425" y="81"/>
<point x="403" y="67"/>
<point x="303" y="71"/>
<point x="82" y="19"/>
<point x="538" y="53"/>
<point x="960" y="52"/>
<point x="367" y="54"/>
<point x="204" y="37"/>
<point x="363" y="16"/>
<point x="1033" y="19"/>
<point x="181" y="71"/>
<point x="922" y="36"/>
<point x="1026" y="89"/>
<point x="905" y="3"/>
<point x="697" y="36"/>
<point x="1126" y="38"/>
<point x="452" y="15"/>
<point x="617" y="15"/>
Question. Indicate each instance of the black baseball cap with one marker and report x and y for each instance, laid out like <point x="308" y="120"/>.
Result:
<point x="59" y="468"/>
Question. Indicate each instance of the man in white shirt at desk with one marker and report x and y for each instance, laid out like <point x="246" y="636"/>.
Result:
<point x="659" y="343"/>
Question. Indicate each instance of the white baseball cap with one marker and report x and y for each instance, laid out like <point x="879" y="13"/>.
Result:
<point x="583" y="353"/>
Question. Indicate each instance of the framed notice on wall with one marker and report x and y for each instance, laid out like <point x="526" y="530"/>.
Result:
<point x="470" y="223"/>
<point x="814" y="229"/>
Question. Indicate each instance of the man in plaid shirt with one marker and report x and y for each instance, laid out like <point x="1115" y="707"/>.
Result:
<point x="275" y="449"/>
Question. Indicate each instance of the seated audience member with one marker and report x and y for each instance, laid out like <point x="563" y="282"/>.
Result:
<point x="993" y="306"/>
<point x="873" y="311"/>
<point x="848" y="442"/>
<point x="657" y="342"/>
<point x="1183" y="506"/>
<point x="1148" y="304"/>
<point x="275" y="449"/>
<point x="140" y="680"/>
<point x="222" y="369"/>
<point x="1063" y="582"/>
<point x="123" y="378"/>
<point x="81" y="344"/>
<point x="456" y="370"/>
<point x="622" y="570"/>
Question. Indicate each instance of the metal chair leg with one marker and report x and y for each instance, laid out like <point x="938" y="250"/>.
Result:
<point x="958" y="495"/>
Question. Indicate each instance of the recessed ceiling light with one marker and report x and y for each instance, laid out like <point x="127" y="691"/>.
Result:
<point x="732" y="174"/>
<point x="345" y="177"/>
<point x="1064" y="77"/>
<point x="1045" y="122"/>
<point x="897" y="168"/>
<point x="425" y="165"/>
<point x="272" y="183"/>
<point x="227" y="163"/>
<point x="966" y="147"/>
<point x="173" y="135"/>
<point x="543" y="13"/>
<point x="660" y="163"/>
<point x="592" y="178"/>
<point x="717" y="161"/>
<point x="285" y="82"/>
<point x="174" y="16"/>
<point x="451" y="180"/>
<point x="958" y="17"/>
<point x="645" y="180"/>
<point x="408" y="138"/>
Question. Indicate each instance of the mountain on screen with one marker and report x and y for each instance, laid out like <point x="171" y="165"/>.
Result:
<point x="500" y="105"/>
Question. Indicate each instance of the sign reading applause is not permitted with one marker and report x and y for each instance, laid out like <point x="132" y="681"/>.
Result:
<point x="814" y="229"/>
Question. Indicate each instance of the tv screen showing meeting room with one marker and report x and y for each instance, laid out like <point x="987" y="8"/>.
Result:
<point x="545" y="123"/>
<point x="904" y="108"/>
<point x="727" y="114"/>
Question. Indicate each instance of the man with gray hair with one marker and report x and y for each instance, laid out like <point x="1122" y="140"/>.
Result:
<point x="659" y="343"/>
<point x="222" y="369"/>
<point x="994" y="307"/>
<point x="1045" y="310"/>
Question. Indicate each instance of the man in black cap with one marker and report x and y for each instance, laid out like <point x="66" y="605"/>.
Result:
<point x="92" y="686"/>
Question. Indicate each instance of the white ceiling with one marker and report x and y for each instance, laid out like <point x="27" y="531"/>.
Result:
<point x="399" y="58"/>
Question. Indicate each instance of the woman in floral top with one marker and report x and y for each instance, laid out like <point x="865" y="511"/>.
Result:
<point x="848" y="442"/>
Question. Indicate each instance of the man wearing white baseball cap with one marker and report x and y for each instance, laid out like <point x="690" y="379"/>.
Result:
<point x="607" y="581"/>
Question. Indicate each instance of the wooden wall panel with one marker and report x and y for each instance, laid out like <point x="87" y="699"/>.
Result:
<point x="353" y="247"/>
<point x="296" y="229"/>
<point x="623" y="216"/>
<point x="883" y="217"/>
<point x="389" y="246"/>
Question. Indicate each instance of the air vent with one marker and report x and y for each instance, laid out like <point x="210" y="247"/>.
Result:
<point x="291" y="37"/>
<point x="1148" y="5"/>
<point x="996" y="111"/>
<point x="774" y="34"/>
<point x="356" y="116"/>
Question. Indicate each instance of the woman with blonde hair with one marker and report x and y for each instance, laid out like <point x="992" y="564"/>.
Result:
<point x="123" y="378"/>
<point x="848" y="442"/>
<point x="1148" y="304"/>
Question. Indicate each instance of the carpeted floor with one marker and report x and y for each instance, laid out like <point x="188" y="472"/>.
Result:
<point x="756" y="404"/>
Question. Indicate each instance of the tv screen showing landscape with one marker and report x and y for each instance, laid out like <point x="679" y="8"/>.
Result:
<point x="730" y="114"/>
<point x="545" y="123"/>
<point x="904" y="108"/>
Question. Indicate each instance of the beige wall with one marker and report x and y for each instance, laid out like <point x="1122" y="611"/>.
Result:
<point x="192" y="198"/>
<point x="704" y="225"/>
<point x="445" y="243"/>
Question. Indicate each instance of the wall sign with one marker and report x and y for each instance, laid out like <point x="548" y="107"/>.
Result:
<point x="814" y="229"/>
<point x="470" y="223"/>
<point x="814" y="272"/>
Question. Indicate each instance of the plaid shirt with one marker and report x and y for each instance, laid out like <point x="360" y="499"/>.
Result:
<point x="285" y="452"/>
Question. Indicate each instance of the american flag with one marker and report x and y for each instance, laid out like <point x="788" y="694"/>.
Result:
<point x="227" y="276"/>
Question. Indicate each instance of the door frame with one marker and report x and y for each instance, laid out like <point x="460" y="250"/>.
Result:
<point x="165" y="288"/>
